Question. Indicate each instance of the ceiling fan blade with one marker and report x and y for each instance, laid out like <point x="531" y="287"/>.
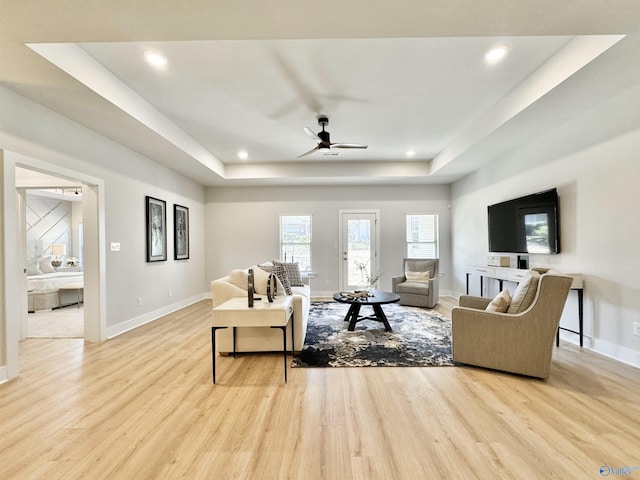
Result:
<point x="312" y="134"/>
<point x="348" y="145"/>
<point x="302" y="91"/>
<point x="310" y="151"/>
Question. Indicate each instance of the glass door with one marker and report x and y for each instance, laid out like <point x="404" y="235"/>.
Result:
<point x="358" y="249"/>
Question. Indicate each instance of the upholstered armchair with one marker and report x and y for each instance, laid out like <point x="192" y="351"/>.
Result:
<point x="515" y="334"/>
<point x="418" y="286"/>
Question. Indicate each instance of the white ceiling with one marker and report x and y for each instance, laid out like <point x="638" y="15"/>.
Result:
<point x="253" y="87"/>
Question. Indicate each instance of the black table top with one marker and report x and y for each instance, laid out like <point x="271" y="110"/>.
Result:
<point x="379" y="298"/>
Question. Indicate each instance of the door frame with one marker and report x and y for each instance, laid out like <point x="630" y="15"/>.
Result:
<point x="14" y="267"/>
<point x="375" y="266"/>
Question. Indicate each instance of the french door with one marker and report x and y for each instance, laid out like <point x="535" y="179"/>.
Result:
<point x="358" y="248"/>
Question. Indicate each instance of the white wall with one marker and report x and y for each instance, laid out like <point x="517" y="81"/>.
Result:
<point x="600" y="227"/>
<point x="242" y="226"/>
<point x="31" y="133"/>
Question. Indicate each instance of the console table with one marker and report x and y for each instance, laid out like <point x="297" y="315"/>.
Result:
<point x="236" y="312"/>
<point x="515" y="275"/>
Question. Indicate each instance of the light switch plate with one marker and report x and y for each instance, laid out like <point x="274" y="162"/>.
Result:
<point x="115" y="246"/>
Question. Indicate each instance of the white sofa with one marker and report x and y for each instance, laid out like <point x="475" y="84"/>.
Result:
<point x="259" y="339"/>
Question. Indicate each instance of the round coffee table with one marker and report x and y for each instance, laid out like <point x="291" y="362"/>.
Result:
<point x="376" y="301"/>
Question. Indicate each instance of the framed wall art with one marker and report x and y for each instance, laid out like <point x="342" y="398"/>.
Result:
<point x="180" y="232"/>
<point x="156" y="229"/>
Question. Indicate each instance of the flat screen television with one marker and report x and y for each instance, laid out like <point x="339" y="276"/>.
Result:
<point x="529" y="224"/>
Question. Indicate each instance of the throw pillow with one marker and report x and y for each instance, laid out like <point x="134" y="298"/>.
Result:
<point x="500" y="303"/>
<point x="281" y="273"/>
<point x="239" y="278"/>
<point x="293" y="272"/>
<point x="259" y="280"/>
<point x="32" y="266"/>
<point x="525" y="292"/>
<point x="417" y="277"/>
<point x="44" y="263"/>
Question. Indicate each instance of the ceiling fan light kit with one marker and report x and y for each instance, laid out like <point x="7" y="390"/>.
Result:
<point x="324" y="139"/>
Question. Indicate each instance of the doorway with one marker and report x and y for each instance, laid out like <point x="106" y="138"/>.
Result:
<point x="53" y="236"/>
<point x="88" y="230"/>
<point x="359" y="239"/>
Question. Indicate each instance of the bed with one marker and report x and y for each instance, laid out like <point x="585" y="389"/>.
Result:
<point x="43" y="290"/>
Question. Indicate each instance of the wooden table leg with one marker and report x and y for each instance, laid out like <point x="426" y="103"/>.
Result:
<point x="382" y="317"/>
<point x="347" y="317"/>
<point x="354" y="311"/>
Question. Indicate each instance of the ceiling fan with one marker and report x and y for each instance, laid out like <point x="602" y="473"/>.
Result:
<point x="323" y="138"/>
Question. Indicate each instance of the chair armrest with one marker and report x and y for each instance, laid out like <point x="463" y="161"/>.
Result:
<point x="434" y="290"/>
<point x="221" y="291"/>
<point x="479" y="303"/>
<point x="396" y="280"/>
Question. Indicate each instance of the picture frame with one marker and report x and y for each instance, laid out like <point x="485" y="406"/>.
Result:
<point x="180" y="232"/>
<point x="156" y="224"/>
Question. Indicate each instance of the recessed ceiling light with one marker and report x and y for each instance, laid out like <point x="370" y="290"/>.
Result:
<point x="155" y="59"/>
<point x="242" y="155"/>
<point x="410" y="153"/>
<point x="496" y="54"/>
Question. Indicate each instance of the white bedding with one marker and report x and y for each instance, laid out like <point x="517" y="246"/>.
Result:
<point x="52" y="281"/>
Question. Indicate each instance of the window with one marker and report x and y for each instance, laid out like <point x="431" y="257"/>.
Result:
<point x="422" y="236"/>
<point x="295" y="240"/>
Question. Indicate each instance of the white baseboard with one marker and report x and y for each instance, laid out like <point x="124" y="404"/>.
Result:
<point x="4" y="377"/>
<point x="604" y="347"/>
<point x="621" y="354"/>
<point x="148" y="317"/>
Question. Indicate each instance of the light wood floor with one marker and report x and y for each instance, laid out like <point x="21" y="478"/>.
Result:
<point x="142" y="406"/>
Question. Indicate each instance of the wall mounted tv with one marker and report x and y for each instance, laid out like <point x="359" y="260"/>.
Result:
<point x="528" y="224"/>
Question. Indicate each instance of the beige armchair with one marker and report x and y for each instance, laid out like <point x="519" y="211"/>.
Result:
<point x="418" y="286"/>
<point x="519" y="340"/>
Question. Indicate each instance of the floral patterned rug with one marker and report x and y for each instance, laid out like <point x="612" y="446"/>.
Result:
<point x="420" y="338"/>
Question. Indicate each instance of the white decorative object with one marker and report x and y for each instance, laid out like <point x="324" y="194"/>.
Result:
<point x="498" y="261"/>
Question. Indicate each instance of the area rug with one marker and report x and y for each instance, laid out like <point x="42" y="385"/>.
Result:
<point x="420" y="338"/>
<point x="67" y="322"/>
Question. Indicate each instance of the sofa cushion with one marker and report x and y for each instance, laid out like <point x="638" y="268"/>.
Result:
<point x="281" y="273"/>
<point x="293" y="272"/>
<point x="500" y="303"/>
<point x="415" y="288"/>
<point x="525" y="292"/>
<point x="417" y="277"/>
<point x="420" y="265"/>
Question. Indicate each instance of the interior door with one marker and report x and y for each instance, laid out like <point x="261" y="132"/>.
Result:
<point x="358" y="248"/>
